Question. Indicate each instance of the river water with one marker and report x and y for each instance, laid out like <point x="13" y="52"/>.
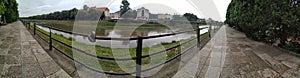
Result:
<point x="115" y="33"/>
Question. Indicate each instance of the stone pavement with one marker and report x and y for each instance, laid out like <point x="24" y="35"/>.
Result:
<point x="231" y="55"/>
<point x="22" y="56"/>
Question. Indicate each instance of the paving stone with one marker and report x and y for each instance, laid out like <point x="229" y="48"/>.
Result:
<point x="3" y="51"/>
<point x="1" y="68"/>
<point x="32" y="70"/>
<point x="13" y="72"/>
<point x="16" y="46"/>
<point x="49" y="67"/>
<point x="14" y="51"/>
<point x="29" y="60"/>
<point x="2" y="59"/>
<point x="59" y="74"/>
<point x="12" y="59"/>
<point x="22" y="57"/>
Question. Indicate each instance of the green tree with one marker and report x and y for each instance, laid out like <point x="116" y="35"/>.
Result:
<point x="9" y="10"/>
<point x="63" y="15"/>
<point x="85" y="7"/>
<point x="124" y="7"/>
<point x="191" y="17"/>
<point x="2" y="7"/>
<point x="265" y="20"/>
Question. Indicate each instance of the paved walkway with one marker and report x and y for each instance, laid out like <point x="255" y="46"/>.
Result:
<point x="230" y="54"/>
<point x="22" y="56"/>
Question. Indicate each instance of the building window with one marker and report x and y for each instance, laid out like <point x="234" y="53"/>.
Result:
<point x="142" y="12"/>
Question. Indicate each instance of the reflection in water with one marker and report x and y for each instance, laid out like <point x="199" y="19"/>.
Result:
<point x="116" y="33"/>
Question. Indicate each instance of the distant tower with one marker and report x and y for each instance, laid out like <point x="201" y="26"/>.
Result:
<point x="143" y="14"/>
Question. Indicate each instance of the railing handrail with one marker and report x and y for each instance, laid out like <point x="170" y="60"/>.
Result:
<point x="138" y="57"/>
<point x="123" y="38"/>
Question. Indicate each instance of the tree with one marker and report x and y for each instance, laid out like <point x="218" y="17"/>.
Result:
<point x="265" y="20"/>
<point x="130" y="14"/>
<point x="9" y="10"/>
<point x="2" y="7"/>
<point x="93" y="14"/>
<point x="124" y="7"/>
<point x="85" y="7"/>
<point x="59" y="15"/>
<point x="2" y="10"/>
<point x="190" y="17"/>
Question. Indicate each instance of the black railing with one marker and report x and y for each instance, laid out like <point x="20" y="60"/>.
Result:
<point x="138" y="58"/>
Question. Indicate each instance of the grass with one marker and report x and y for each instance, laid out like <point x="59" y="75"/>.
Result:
<point x="109" y="65"/>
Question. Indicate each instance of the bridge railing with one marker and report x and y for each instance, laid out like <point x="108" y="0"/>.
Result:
<point x="138" y="58"/>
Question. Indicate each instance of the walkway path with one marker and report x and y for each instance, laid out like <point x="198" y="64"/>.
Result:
<point x="231" y="54"/>
<point x="22" y="56"/>
<point x="228" y="54"/>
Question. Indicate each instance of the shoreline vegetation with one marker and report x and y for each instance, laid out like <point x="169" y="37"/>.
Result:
<point x="69" y="24"/>
<point x="110" y="65"/>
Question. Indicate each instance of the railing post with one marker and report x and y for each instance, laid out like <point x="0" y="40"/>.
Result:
<point x="28" y="25"/>
<point x="34" y="29"/>
<point x="50" y="36"/>
<point x="198" y="37"/>
<point x="209" y="31"/>
<point x="139" y="57"/>
<point x="22" y="21"/>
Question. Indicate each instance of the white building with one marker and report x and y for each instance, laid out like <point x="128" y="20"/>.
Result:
<point x="143" y="14"/>
<point x="115" y="15"/>
<point x="104" y="9"/>
<point x="164" y="17"/>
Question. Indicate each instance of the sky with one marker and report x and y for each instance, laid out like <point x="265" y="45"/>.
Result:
<point x="215" y="9"/>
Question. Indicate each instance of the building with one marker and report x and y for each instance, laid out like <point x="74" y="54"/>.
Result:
<point x="153" y="17"/>
<point x="202" y="21"/>
<point x="143" y="14"/>
<point x="164" y="17"/>
<point x="104" y="9"/>
<point x="115" y="15"/>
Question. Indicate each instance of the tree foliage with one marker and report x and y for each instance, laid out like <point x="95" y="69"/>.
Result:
<point x="124" y="7"/>
<point x="2" y="7"/>
<point x="9" y="10"/>
<point x="85" y="14"/>
<point x="63" y="15"/>
<point x="265" y="20"/>
<point x="190" y="17"/>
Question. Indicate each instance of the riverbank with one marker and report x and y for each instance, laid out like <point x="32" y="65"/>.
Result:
<point x="108" y="65"/>
<point x="69" y="24"/>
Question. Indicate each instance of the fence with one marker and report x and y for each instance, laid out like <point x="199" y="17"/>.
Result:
<point x="138" y="58"/>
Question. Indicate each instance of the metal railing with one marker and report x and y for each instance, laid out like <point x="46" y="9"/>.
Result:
<point x="138" y="58"/>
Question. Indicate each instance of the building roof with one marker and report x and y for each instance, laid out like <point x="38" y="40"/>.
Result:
<point x="101" y="8"/>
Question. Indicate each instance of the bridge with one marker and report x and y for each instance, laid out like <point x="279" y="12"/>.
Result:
<point x="228" y="53"/>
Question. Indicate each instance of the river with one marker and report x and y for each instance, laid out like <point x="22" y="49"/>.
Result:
<point x="129" y="44"/>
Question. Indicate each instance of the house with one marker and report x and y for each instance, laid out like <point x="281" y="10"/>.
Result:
<point x="164" y="17"/>
<point x="143" y="14"/>
<point x="153" y="18"/>
<point x="104" y="9"/>
<point x="115" y="15"/>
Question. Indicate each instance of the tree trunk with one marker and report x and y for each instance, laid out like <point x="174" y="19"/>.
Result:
<point x="4" y="19"/>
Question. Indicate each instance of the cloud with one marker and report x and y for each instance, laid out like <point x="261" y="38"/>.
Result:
<point x="36" y="7"/>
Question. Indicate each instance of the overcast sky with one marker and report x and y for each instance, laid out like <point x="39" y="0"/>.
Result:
<point x="215" y="9"/>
